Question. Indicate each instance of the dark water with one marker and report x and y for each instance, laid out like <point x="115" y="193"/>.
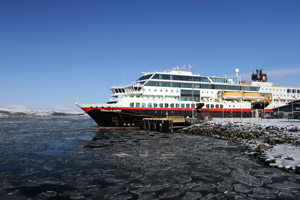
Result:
<point x="68" y="158"/>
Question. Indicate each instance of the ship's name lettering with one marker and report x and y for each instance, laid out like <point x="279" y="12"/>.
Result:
<point x="109" y="110"/>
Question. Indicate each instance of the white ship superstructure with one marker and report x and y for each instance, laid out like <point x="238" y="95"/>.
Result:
<point x="179" y="92"/>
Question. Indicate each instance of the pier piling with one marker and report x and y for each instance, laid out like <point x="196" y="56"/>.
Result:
<point x="165" y="125"/>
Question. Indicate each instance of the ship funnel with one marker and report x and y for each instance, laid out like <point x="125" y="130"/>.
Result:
<point x="259" y="76"/>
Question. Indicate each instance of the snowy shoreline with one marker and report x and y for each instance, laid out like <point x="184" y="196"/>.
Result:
<point x="24" y="111"/>
<point x="275" y="142"/>
<point x="36" y="113"/>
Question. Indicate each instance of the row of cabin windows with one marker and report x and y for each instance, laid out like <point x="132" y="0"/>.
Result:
<point x="288" y="90"/>
<point x="155" y="90"/>
<point x="189" y="78"/>
<point x="194" y="92"/>
<point x="180" y="78"/>
<point x="214" y="106"/>
<point x="280" y="95"/>
<point x="162" y="105"/>
<point x="205" y="86"/>
<point x="293" y="91"/>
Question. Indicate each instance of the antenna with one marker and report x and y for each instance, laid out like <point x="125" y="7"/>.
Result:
<point x="236" y="73"/>
<point x="76" y="100"/>
<point x="123" y="78"/>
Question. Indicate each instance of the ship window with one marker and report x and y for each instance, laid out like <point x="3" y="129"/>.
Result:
<point x="221" y="106"/>
<point x="155" y="90"/>
<point x="166" y="77"/>
<point x="212" y="105"/>
<point x="298" y="91"/>
<point x="172" y="105"/>
<point x="161" y="105"/>
<point x="207" y="106"/>
<point x="137" y="105"/>
<point x="131" y="104"/>
<point x="156" y="76"/>
<point x="145" y="77"/>
<point x="155" y="105"/>
<point x="182" y="105"/>
<point x="187" y="105"/>
<point x="165" y="84"/>
<point x="217" y="105"/>
<point x="186" y="85"/>
<point x="166" y="90"/>
<point x="294" y="91"/>
<point x="193" y="105"/>
<point x="166" y="105"/>
<point x="160" y="90"/>
<point x="177" y="105"/>
<point x="150" y="105"/>
<point x="143" y="105"/>
<point x="288" y="90"/>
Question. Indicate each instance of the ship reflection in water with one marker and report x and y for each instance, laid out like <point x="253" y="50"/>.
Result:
<point x="56" y="158"/>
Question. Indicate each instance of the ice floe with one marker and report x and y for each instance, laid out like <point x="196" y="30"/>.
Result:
<point x="276" y="142"/>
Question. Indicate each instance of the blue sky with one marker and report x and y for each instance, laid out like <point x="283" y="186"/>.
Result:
<point x="53" y="50"/>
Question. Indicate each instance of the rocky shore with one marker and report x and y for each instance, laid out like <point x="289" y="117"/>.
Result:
<point x="276" y="143"/>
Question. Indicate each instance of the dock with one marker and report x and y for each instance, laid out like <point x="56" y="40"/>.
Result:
<point x="166" y="125"/>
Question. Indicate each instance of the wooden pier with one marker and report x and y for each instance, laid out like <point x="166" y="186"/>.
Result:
<point x="166" y="125"/>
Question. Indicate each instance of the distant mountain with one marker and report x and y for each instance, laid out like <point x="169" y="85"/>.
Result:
<point x="38" y="113"/>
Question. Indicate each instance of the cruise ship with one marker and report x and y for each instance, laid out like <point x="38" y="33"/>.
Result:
<point x="179" y="92"/>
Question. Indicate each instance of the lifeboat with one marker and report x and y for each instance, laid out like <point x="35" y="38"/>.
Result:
<point x="232" y="95"/>
<point x="250" y="96"/>
<point x="268" y="98"/>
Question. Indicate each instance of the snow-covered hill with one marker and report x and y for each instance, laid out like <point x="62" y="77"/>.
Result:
<point x="22" y="111"/>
